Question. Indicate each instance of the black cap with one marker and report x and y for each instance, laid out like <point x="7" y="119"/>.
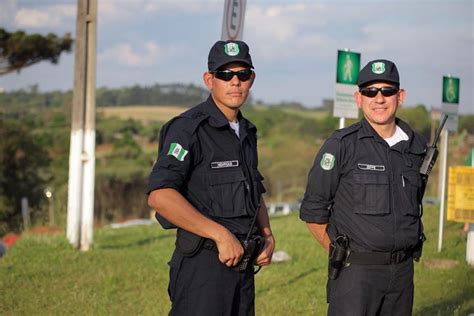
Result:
<point x="224" y="52"/>
<point x="379" y="70"/>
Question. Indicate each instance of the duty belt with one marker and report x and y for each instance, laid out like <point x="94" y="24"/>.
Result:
<point x="210" y="245"/>
<point x="394" y="257"/>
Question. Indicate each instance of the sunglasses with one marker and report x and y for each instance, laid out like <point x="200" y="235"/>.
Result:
<point x="372" y="92"/>
<point x="227" y="75"/>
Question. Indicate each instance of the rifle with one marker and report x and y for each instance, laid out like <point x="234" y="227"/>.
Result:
<point x="431" y="155"/>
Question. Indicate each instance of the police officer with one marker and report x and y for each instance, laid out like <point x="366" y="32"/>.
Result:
<point x="206" y="183"/>
<point x="363" y="202"/>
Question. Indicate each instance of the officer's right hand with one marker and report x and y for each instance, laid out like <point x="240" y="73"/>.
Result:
<point x="230" y="249"/>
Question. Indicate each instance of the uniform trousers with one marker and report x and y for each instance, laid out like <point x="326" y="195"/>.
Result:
<point x="372" y="290"/>
<point x="202" y="285"/>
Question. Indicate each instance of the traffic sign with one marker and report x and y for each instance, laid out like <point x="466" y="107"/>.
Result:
<point x="348" y="65"/>
<point x="450" y="99"/>
<point x="347" y="74"/>
<point x="233" y="20"/>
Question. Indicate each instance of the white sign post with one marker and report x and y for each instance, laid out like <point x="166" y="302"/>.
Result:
<point x="348" y="65"/>
<point x="450" y="107"/>
<point x="233" y="20"/>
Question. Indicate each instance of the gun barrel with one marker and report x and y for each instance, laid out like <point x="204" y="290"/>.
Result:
<point x="438" y="131"/>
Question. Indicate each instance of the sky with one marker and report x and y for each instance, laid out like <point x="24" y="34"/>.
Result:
<point x="293" y="44"/>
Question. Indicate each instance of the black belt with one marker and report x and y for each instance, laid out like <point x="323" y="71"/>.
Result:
<point x="210" y="245"/>
<point x="394" y="257"/>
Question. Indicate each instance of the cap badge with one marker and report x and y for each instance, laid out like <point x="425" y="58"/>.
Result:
<point x="231" y="49"/>
<point x="378" y="68"/>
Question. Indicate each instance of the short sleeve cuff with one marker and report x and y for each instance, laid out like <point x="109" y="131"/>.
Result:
<point x="311" y="213"/>
<point x="162" y="178"/>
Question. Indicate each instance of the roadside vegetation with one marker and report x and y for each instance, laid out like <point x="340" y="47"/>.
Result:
<point x="34" y="151"/>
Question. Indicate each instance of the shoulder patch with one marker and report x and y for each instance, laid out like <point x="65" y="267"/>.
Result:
<point x="177" y="151"/>
<point x="327" y="161"/>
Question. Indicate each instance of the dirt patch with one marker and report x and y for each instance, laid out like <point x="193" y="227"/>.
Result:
<point x="440" y="263"/>
<point x="43" y="230"/>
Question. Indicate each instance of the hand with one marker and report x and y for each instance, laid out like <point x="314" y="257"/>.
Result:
<point x="265" y="257"/>
<point x="230" y="249"/>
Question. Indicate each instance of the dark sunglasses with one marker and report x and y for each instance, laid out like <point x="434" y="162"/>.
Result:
<point x="227" y="75"/>
<point x="372" y="91"/>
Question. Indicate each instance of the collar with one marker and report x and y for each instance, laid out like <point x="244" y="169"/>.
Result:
<point x="415" y="143"/>
<point x="218" y="119"/>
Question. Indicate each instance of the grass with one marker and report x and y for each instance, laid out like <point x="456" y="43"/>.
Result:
<point x="126" y="273"/>
<point x="145" y="114"/>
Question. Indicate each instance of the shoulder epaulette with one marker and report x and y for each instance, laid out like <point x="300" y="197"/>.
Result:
<point x="343" y="132"/>
<point x="190" y="119"/>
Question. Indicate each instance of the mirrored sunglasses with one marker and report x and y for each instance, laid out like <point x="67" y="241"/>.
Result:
<point x="372" y="91"/>
<point x="227" y="75"/>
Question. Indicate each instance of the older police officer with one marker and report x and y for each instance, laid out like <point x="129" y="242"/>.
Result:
<point x="363" y="202"/>
<point x="206" y="183"/>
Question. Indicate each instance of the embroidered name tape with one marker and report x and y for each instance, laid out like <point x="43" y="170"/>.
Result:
<point x="224" y="164"/>
<point x="366" y="166"/>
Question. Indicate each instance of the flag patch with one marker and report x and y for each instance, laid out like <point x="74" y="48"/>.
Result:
<point x="177" y="151"/>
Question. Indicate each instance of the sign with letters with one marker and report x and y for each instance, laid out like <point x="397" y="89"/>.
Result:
<point x="461" y="194"/>
<point x="347" y="74"/>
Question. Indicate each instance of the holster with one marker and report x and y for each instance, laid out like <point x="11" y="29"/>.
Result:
<point x="188" y="243"/>
<point x="338" y="252"/>
<point x="418" y="250"/>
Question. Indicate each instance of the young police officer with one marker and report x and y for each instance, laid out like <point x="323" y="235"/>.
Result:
<point x="206" y="183"/>
<point x="363" y="202"/>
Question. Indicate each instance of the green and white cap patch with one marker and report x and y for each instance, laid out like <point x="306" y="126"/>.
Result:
<point x="177" y="151"/>
<point x="231" y="49"/>
<point x="378" y="68"/>
<point x="327" y="162"/>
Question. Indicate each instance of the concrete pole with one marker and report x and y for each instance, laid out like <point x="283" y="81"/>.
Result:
<point x="89" y="136"/>
<point x="444" y="163"/>
<point x="82" y="148"/>
<point x="342" y="122"/>
<point x="470" y="245"/>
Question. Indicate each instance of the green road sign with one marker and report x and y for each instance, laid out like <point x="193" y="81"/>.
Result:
<point x="450" y="90"/>
<point x="348" y="65"/>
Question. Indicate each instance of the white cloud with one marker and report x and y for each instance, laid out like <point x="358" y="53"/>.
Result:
<point x="48" y="16"/>
<point x="7" y="12"/>
<point x="115" y="10"/>
<point x="147" y="54"/>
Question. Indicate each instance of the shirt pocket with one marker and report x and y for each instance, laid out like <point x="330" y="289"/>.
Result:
<point x="411" y="186"/>
<point x="227" y="193"/>
<point x="371" y="193"/>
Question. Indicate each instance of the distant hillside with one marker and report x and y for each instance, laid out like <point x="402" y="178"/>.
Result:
<point x="184" y="95"/>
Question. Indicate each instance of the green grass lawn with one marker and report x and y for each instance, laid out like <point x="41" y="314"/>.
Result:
<point x="126" y="273"/>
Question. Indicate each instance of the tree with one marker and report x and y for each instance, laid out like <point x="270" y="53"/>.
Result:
<point x="23" y="172"/>
<point x="19" y="50"/>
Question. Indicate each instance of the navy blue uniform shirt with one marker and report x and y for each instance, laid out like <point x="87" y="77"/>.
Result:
<point x="201" y="157"/>
<point x="366" y="189"/>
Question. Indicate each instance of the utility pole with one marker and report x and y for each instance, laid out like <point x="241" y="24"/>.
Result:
<point x="82" y="147"/>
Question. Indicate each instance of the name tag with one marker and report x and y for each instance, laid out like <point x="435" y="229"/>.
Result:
<point x="224" y="164"/>
<point x="366" y="166"/>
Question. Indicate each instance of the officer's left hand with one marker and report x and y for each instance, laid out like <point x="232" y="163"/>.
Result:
<point x="265" y="257"/>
